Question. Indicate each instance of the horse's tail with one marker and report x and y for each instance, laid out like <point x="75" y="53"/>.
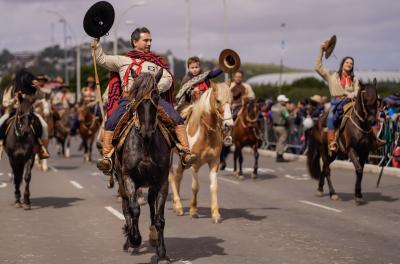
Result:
<point x="313" y="155"/>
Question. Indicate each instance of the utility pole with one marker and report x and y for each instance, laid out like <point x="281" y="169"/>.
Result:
<point x="225" y="32"/>
<point x="187" y="30"/>
<point x="283" y="25"/>
<point x="78" y="72"/>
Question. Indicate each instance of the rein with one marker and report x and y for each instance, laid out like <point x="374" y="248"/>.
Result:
<point x="215" y="111"/>
<point x="361" y="119"/>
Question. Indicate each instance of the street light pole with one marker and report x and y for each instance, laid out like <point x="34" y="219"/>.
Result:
<point x="62" y="20"/>
<point x="281" y="62"/>
<point x="225" y="31"/>
<point x="115" y="44"/>
<point x="187" y="31"/>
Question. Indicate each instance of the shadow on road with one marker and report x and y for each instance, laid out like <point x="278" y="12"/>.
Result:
<point x="234" y="213"/>
<point x="368" y="197"/>
<point x="53" y="202"/>
<point x="200" y="247"/>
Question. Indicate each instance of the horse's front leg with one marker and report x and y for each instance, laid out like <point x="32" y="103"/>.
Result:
<point x="17" y="171"/>
<point x="153" y="234"/>
<point x="359" y="166"/>
<point x="240" y="155"/>
<point x="235" y="158"/>
<point x="214" y="193"/>
<point x="175" y="180"/>
<point x="195" y="189"/>
<point x="27" y="177"/>
<point x="256" y="155"/>
<point x="132" y="227"/>
<point x="160" y="223"/>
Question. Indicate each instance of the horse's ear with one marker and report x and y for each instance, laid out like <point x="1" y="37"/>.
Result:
<point x="374" y="82"/>
<point x="361" y="84"/>
<point x="159" y="75"/>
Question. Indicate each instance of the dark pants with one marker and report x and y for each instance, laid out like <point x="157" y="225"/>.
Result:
<point x="121" y="109"/>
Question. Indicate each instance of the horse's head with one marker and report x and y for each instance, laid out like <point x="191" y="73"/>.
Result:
<point x="147" y="97"/>
<point x="251" y="108"/>
<point x="24" y="117"/>
<point x="367" y="101"/>
<point x="221" y="103"/>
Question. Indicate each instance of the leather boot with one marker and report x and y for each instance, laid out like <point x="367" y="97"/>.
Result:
<point x="1" y="149"/>
<point x="43" y="152"/>
<point x="332" y="145"/>
<point x="105" y="164"/>
<point x="187" y="158"/>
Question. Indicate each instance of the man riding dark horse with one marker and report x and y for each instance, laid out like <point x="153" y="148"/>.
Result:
<point x="26" y="84"/>
<point x="239" y="89"/>
<point x="139" y="60"/>
<point x="343" y="87"/>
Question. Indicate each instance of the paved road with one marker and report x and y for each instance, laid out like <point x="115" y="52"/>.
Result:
<point x="273" y="219"/>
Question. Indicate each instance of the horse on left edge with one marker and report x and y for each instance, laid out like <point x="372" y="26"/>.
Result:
<point x="21" y="145"/>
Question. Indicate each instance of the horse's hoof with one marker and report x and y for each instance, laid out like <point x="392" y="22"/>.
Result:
<point x="217" y="219"/>
<point x="178" y="211"/>
<point x="254" y="176"/>
<point x="17" y="205"/>
<point x="141" y="201"/>
<point x="319" y="194"/>
<point x="194" y="215"/>
<point x="359" y="200"/>
<point x="26" y="206"/>
<point x="335" y="197"/>
<point x="126" y="246"/>
<point x="153" y="236"/>
<point x="163" y="261"/>
<point x="119" y="199"/>
<point x="241" y="177"/>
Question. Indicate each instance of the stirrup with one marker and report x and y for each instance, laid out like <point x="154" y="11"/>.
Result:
<point x="105" y="168"/>
<point x="1" y="149"/>
<point x="188" y="163"/>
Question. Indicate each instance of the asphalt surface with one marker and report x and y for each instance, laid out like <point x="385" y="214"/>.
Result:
<point x="274" y="219"/>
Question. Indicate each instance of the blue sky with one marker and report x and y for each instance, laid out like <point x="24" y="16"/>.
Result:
<point x="366" y="29"/>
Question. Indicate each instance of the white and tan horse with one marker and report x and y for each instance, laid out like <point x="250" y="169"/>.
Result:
<point x="205" y="126"/>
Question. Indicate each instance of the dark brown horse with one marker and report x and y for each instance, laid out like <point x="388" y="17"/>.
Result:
<point x="21" y="146"/>
<point x="355" y="138"/>
<point x="246" y="132"/>
<point x="89" y="124"/>
<point x="143" y="161"/>
<point x="62" y="131"/>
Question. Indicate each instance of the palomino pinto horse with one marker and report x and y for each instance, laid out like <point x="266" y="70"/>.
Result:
<point x="89" y="124"/>
<point x="205" y="127"/>
<point x="355" y="140"/>
<point x="246" y="132"/>
<point x="21" y="146"/>
<point x="43" y="108"/>
<point x="143" y="161"/>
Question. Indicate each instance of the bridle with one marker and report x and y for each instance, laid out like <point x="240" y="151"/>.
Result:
<point x="359" y="117"/>
<point x="214" y="110"/>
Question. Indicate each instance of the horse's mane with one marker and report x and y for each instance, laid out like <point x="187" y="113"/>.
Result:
<point x="142" y="85"/>
<point x="203" y="104"/>
<point x="26" y="104"/>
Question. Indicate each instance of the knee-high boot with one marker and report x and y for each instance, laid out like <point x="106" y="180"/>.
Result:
<point x="187" y="157"/>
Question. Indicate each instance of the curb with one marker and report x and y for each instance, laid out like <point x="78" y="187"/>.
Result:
<point x="336" y="164"/>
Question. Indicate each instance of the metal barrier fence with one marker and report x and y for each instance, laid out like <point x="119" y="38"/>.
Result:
<point x="390" y="132"/>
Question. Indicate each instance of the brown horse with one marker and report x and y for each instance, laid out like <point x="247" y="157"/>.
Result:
<point x="62" y="130"/>
<point x="205" y="127"/>
<point x="89" y="124"/>
<point x="246" y="132"/>
<point x="355" y="140"/>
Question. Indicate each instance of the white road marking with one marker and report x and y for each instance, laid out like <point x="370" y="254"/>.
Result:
<point x="321" y="206"/>
<point x="185" y="262"/>
<point x="227" y="180"/>
<point x="10" y="175"/>
<point x="250" y="170"/>
<point x="77" y="185"/>
<point x="95" y="173"/>
<point x="305" y="177"/>
<point x="3" y="185"/>
<point x="115" y="212"/>
<point x="1" y="174"/>
<point x="53" y="168"/>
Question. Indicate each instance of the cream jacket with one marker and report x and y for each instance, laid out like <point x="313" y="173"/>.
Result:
<point x="333" y="79"/>
<point x="119" y="63"/>
<point x="249" y="91"/>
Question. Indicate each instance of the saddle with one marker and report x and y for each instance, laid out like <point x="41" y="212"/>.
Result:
<point x="130" y="120"/>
